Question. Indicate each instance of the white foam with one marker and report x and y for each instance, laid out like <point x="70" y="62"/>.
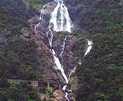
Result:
<point x="60" y="18"/>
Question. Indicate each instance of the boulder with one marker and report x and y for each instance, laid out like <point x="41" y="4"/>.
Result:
<point x="59" y="95"/>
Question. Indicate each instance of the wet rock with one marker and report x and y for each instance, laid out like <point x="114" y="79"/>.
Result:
<point x="59" y="95"/>
<point x="44" y="55"/>
<point x="43" y="97"/>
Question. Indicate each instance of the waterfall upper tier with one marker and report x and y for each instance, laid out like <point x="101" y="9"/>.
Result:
<point x="60" y="19"/>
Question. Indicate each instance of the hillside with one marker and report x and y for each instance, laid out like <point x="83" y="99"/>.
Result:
<point x="25" y="57"/>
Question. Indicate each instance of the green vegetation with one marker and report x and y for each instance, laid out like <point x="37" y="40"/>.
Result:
<point x="114" y="23"/>
<point x="16" y="91"/>
<point x="36" y="4"/>
<point x="49" y="91"/>
<point x="100" y="77"/>
<point x="10" y="23"/>
<point x="17" y="58"/>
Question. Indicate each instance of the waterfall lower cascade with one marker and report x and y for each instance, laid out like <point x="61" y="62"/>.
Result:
<point x="60" y="21"/>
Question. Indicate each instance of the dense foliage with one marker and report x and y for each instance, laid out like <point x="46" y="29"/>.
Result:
<point x="100" y="77"/>
<point x="17" y="91"/>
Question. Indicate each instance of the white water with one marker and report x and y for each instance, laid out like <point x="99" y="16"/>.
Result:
<point x="59" y="66"/>
<point x="60" y="18"/>
<point x="61" y="22"/>
<point x="89" y="47"/>
<point x="57" y="62"/>
<point x="50" y="37"/>
<point x="63" y="47"/>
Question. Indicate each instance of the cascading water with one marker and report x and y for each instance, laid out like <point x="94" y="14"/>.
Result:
<point x="63" y="47"/>
<point x="60" y="18"/>
<point x="89" y="47"/>
<point x="60" y="21"/>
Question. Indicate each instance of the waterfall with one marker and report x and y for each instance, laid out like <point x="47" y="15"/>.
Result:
<point x="60" y="18"/>
<point x="89" y="47"/>
<point x="59" y="66"/>
<point x="60" y="21"/>
<point x="63" y="47"/>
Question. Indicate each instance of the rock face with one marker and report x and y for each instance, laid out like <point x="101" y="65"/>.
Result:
<point x="44" y="58"/>
<point x="59" y="95"/>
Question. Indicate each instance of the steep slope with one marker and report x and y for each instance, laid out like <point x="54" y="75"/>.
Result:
<point x="17" y="8"/>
